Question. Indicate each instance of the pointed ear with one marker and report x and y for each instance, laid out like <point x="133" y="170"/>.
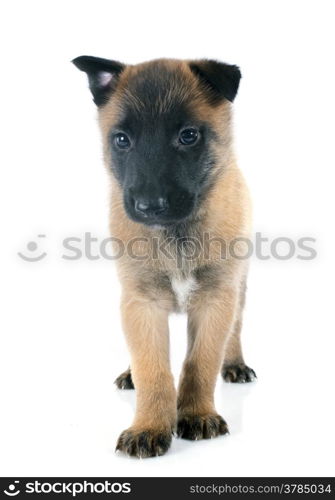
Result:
<point x="221" y="80"/>
<point x="102" y="75"/>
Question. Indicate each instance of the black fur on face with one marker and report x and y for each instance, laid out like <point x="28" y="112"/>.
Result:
<point x="156" y="171"/>
<point x="162" y="177"/>
<point x="161" y="151"/>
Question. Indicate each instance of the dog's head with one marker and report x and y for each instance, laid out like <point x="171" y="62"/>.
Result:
<point x="163" y="124"/>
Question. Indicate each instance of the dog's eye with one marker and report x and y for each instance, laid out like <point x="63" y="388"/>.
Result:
<point x="122" y="141"/>
<point x="188" y="136"/>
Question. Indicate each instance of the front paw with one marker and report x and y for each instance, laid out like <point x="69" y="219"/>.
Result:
<point x="238" y="373"/>
<point x="196" y="427"/>
<point x="144" y="443"/>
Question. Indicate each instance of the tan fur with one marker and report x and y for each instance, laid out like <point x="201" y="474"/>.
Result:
<point x="214" y="315"/>
<point x="146" y="327"/>
<point x="233" y="352"/>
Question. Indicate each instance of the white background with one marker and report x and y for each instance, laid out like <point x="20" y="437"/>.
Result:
<point x="62" y="344"/>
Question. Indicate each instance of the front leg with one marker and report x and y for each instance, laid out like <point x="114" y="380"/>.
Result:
<point x="145" y="324"/>
<point x="211" y="318"/>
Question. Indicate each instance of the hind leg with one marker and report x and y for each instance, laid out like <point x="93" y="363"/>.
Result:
<point x="234" y="368"/>
<point x="125" y="381"/>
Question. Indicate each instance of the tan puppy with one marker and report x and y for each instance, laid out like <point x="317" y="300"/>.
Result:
<point x="180" y="206"/>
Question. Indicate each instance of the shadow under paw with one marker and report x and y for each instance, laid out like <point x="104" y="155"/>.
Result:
<point x="196" y="427"/>
<point x="124" y="381"/>
<point x="144" y="444"/>
<point x="238" y="373"/>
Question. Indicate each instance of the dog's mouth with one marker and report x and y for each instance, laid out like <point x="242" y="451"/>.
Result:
<point x="157" y="222"/>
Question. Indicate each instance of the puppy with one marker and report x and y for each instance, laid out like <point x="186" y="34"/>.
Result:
<point x="178" y="203"/>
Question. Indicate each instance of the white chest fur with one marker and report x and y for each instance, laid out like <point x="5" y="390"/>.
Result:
<point x="183" y="289"/>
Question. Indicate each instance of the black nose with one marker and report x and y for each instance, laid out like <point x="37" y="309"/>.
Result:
<point x="151" y="207"/>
